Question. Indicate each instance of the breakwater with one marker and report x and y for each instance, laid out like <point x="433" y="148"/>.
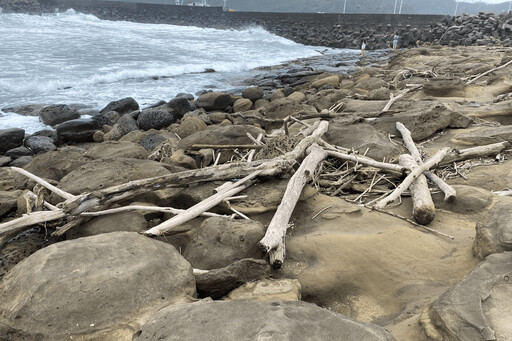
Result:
<point x="317" y="29"/>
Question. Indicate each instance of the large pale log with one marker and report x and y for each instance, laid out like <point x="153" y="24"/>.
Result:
<point x="12" y="228"/>
<point x="475" y="152"/>
<point x="435" y="160"/>
<point x="44" y="183"/>
<point x="449" y="191"/>
<point x="423" y="209"/>
<point x="489" y="71"/>
<point x="202" y="207"/>
<point x="273" y="241"/>
<point x="367" y="161"/>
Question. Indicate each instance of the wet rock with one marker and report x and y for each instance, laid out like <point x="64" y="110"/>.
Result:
<point x="81" y="130"/>
<point x="267" y="290"/>
<point x="117" y="149"/>
<point x="218" y="282"/>
<point x="242" y="104"/>
<point x="494" y="230"/>
<point x="107" y="118"/>
<point x="19" y="152"/>
<point x="253" y="93"/>
<point x="477" y="308"/>
<point x="150" y="141"/>
<point x="155" y="118"/>
<point x="21" y="161"/>
<point x="119" y="222"/>
<point x="222" y="241"/>
<point x="126" y="124"/>
<point x="52" y="134"/>
<point x="57" y="164"/>
<point x="96" y="300"/>
<point x="181" y="106"/>
<point x="122" y="106"/>
<point x="40" y="144"/>
<point x="256" y="321"/>
<point x="214" y="101"/>
<point x="26" y="110"/>
<point x="11" y="138"/>
<point x="58" y="113"/>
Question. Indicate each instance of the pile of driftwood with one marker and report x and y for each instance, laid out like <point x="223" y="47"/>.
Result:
<point x="316" y="159"/>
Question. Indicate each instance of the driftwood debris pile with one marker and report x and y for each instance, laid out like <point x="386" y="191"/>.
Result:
<point x="332" y="169"/>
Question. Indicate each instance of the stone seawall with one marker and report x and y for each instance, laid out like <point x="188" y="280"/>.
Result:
<point x="318" y="29"/>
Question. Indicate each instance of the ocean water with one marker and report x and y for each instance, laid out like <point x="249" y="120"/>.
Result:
<point x="76" y="58"/>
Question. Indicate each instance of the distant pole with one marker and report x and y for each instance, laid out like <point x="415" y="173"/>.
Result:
<point x="456" y="8"/>
<point x="396" y="2"/>
<point x="509" y="5"/>
<point x="401" y="3"/>
<point x="345" y="6"/>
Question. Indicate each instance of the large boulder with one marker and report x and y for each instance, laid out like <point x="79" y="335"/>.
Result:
<point x="80" y="130"/>
<point x="40" y="144"/>
<point x="325" y="99"/>
<point x="122" y="106"/>
<point x="218" y="282"/>
<point x="57" y="164"/>
<point x="494" y="230"/>
<point x="242" y="104"/>
<point x="189" y="126"/>
<point x="19" y="152"/>
<point x="253" y="93"/>
<point x="477" y="308"/>
<point x="155" y="118"/>
<point x="221" y="135"/>
<point x="282" y="107"/>
<point x="108" y="118"/>
<point x="485" y="135"/>
<point x="181" y="105"/>
<point x="11" y="138"/>
<point x="58" y="113"/>
<point x="219" y="242"/>
<point x="101" y="287"/>
<point x="117" y="149"/>
<point x="444" y="87"/>
<point x="118" y="222"/>
<point x="214" y="101"/>
<point x="256" y="321"/>
<point x="330" y="81"/>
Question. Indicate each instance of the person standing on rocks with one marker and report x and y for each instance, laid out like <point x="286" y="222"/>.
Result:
<point x="363" y="47"/>
<point x="395" y="41"/>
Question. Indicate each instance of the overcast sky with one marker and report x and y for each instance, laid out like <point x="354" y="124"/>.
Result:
<point x="488" y="1"/>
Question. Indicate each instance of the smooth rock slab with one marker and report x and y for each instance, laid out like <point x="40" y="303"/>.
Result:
<point x="102" y="287"/>
<point x="256" y="321"/>
<point x="477" y="308"/>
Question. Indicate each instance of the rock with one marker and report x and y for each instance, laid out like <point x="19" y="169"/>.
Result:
<point x="361" y="136"/>
<point x="119" y="222"/>
<point x="52" y="134"/>
<point x="107" y="118"/>
<point x="256" y="321"/>
<point x="189" y="126"/>
<point x="117" y="149"/>
<point x="494" y="230"/>
<point x="469" y="200"/>
<point x="113" y="134"/>
<point x="459" y="120"/>
<point x="218" y="282"/>
<point x="331" y="80"/>
<point x="58" y="113"/>
<point x="380" y="94"/>
<point x="26" y="110"/>
<point x="179" y="158"/>
<point x="40" y="144"/>
<point x="253" y="93"/>
<point x="357" y="106"/>
<point x="150" y="141"/>
<point x="371" y="83"/>
<point x="155" y="118"/>
<point x="325" y="99"/>
<point x="64" y="291"/>
<point x="21" y="161"/>
<point x="11" y="138"/>
<point x="222" y="241"/>
<point x="19" y="152"/>
<point x="214" y="101"/>
<point x="422" y="119"/>
<point x="57" y="164"/>
<point x="225" y="135"/>
<point x="261" y="103"/>
<point x="485" y="135"/>
<point x="267" y="290"/>
<point x="242" y="104"/>
<point x="126" y="124"/>
<point x="181" y="106"/>
<point x="477" y="308"/>
<point x="5" y="160"/>
<point x="81" y="130"/>
<point x="99" y="136"/>
<point x="8" y="201"/>
<point x="444" y="87"/>
<point x="282" y="107"/>
<point x="122" y="106"/>
<point x="297" y="96"/>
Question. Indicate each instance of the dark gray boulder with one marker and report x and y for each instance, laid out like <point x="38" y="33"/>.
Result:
<point x="219" y="242"/>
<point x="214" y="101"/>
<point x="40" y="144"/>
<point x="57" y="164"/>
<point x="219" y="282"/>
<point x="477" y="308"/>
<point x="19" y="152"/>
<point x="58" y="113"/>
<point x="102" y="287"/>
<point x="21" y="161"/>
<point x="81" y="130"/>
<point x="126" y="124"/>
<point x="253" y="93"/>
<point x="107" y="118"/>
<point x="248" y="321"/>
<point x="52" y="134"/>
<point x="11" y="138"/>
<point x="181" y="105"/>
<point x="150" y="141"/>
<point x="122" y="106"/>
<point x="155" y="118"/>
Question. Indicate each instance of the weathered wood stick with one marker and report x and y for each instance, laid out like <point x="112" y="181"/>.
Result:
<point x="423" y="209"/>
<point x="221" y="146"/>
<point x="253" y="151"/>
<point x="393" y="99"/>
<point x="449" y="191"/>
<point x="367" y="161"/>
<point x="436" y="159"/>
<point x="44" y="183"/>
<point x="144" y="209"/>
<point x="12" y="228"/>
<point x="201" y="207"/>
<point x="276" y="230"/>
<point x="488" y="72"/>
<point x="475" y="152"/>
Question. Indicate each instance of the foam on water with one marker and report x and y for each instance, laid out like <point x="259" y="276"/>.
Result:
<point x="77" y="58"/>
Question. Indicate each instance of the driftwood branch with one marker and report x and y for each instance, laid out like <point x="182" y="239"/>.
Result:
<point x="489" y="71"/>
<point x="367" y="161"/>
<point x="475" y="152"/>
<point x="273" y="241"/>
<point x="449" y="191"/>
<point x="44" y="183"/>
<point x="435" y="160"/>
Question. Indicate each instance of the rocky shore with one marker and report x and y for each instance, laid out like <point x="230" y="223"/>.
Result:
<point x="351" y="270"/>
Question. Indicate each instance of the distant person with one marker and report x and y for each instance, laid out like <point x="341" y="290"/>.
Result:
<point x="363" y="47"/>
<point x="395" y="41"/>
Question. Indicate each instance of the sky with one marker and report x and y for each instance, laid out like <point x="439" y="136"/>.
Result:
<point x="487" y="1"/>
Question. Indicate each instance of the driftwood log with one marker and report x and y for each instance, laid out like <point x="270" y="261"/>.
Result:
<point x="475" y="152"/>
